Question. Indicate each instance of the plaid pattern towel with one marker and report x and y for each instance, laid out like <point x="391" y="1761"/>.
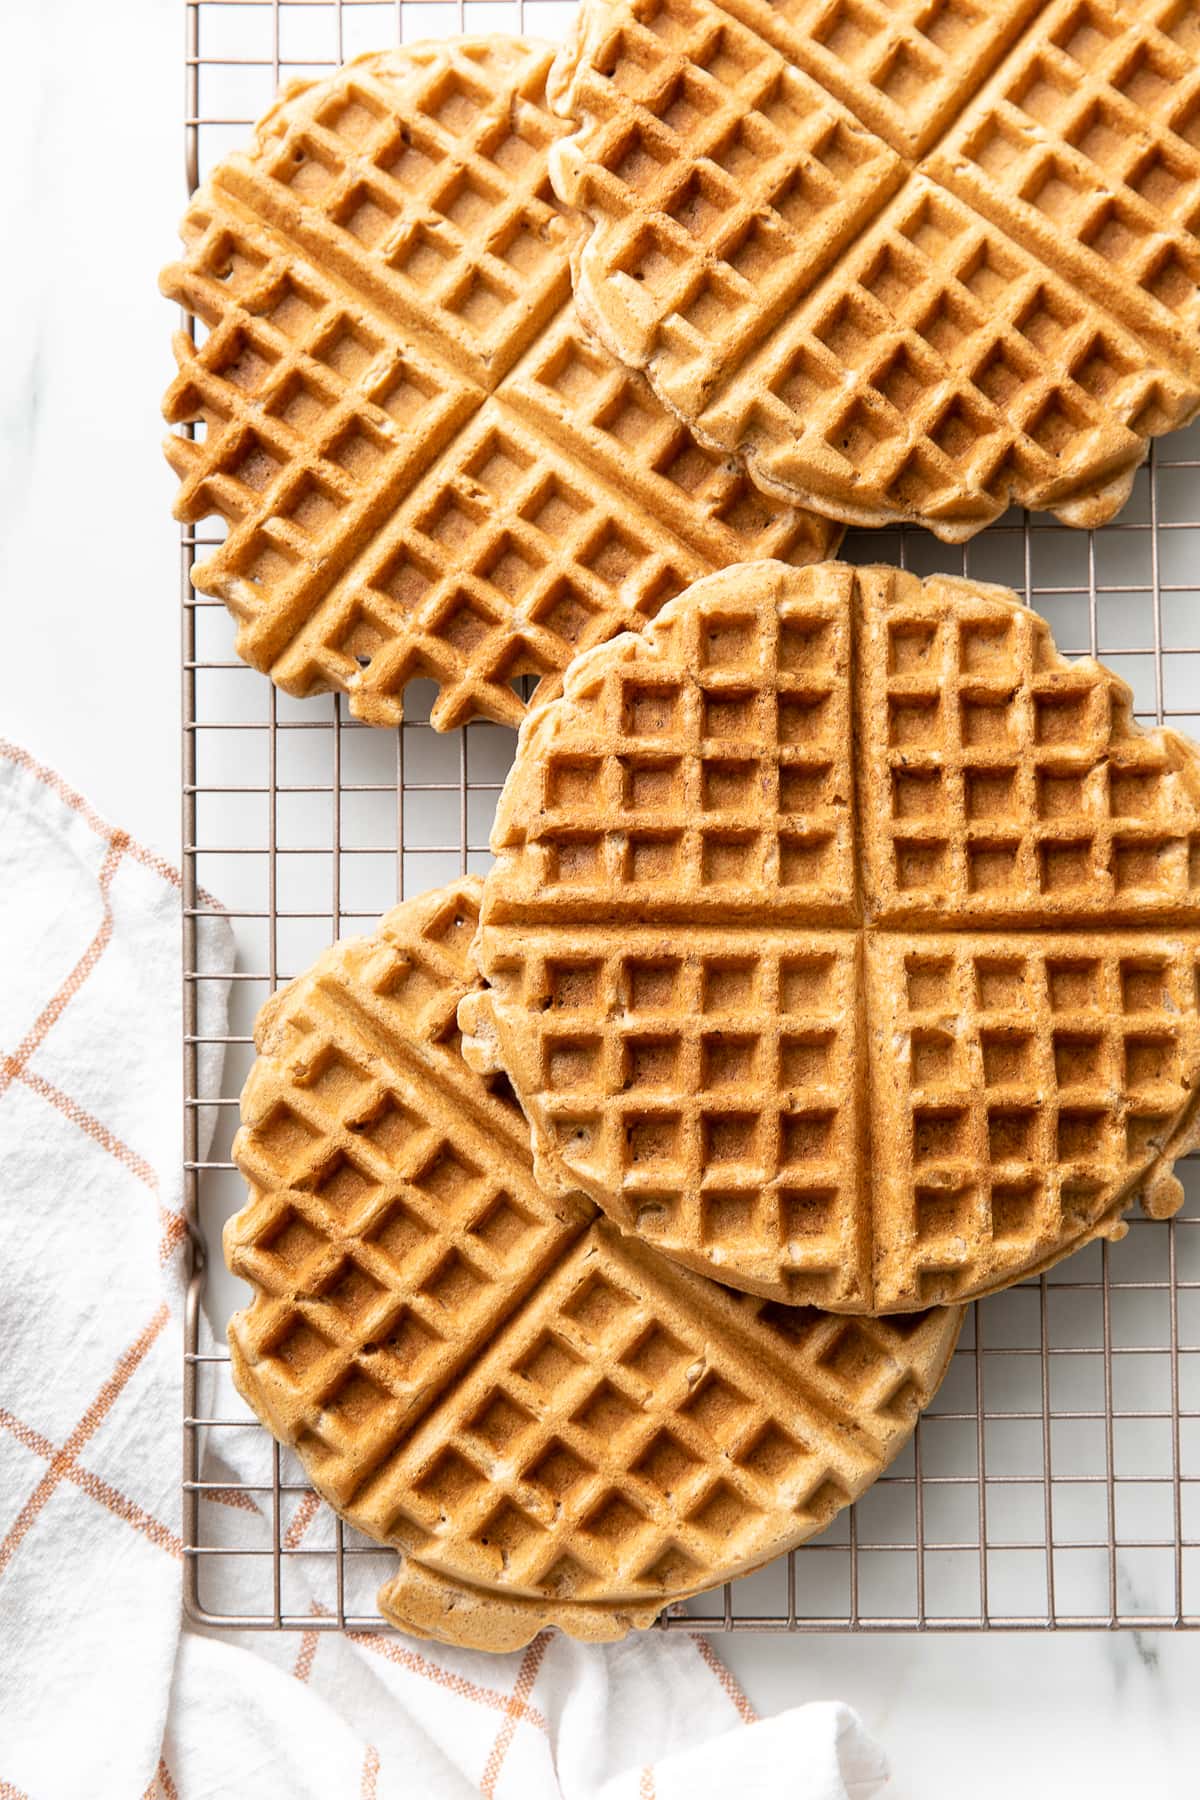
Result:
<point x="100" y="1691"/>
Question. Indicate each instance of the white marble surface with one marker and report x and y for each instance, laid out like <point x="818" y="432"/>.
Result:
<point x="88" y="681"/>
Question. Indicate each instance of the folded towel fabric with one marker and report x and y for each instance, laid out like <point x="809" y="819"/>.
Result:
<point x="102" y="1691"/>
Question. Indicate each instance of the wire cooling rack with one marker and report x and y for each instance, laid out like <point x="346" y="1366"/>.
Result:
<point x="1055" y="1482"/>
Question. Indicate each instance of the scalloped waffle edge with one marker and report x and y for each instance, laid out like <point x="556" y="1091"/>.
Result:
<point x="550" y="1423"/>
<point x="908" y="262"/>
<point x="844" y="940"/>
<point x="428" y="468"/>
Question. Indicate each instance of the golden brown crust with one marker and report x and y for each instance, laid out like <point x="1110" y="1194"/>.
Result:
<point x="907" y="262"/>
<point x="427" y="466"/>
<point x="550" y="1423"/>
<point x="844" y="940"/>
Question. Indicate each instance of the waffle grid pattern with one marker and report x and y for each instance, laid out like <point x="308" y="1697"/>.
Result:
<point x="614" y="1454"/>
<point x="1043" y="1076"/>
<point x="752" y="746"/>
<point x="732" y="1064"/>
<point x="528" y="1411"/>
<point x="898" y="289"/>
<point x="427" y="467"/>
<point x="371" y="1202"/>
<point x="703" y="1083"/>
<point x="1009" y="785"/>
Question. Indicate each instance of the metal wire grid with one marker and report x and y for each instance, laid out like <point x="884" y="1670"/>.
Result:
<point x="1055" y="1482"/>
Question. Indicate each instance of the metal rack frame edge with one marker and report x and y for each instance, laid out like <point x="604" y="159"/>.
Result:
<point x="855" y="1622"/>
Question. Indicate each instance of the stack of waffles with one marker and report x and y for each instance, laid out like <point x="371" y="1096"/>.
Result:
<point x="843" y="939"/>
<point x="554" y="1423"/>
<point x="612" y="1220"/>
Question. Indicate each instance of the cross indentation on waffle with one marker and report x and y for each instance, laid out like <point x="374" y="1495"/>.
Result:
<point x="488" y="1378"/>
<point x="385" y="287"/>
<point x="897" y="284"/>
<point x="624" y="1445"/>
<point x="709" y="1046"/>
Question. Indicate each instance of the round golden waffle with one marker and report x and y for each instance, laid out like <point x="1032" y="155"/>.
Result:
<point x="910" y="259"/>
<point x="427" y="467"/>
<point x="844" y="940"/>
<point x="551" y="1423"/>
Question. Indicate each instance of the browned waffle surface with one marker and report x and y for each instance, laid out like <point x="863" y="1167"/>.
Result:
<point x="427" y="467"/>
<point x="912" y="261"/>
<point x="844" y="940"/>
<point x="553" y="1424"/>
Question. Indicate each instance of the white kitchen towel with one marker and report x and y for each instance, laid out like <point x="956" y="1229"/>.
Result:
<point x="101" y="1693"/>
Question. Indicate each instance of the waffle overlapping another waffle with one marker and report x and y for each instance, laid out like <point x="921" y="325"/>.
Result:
<point x="911" y="260"/>
<point x="551" y="1423"/>
<point x="428" y="468"/>
<point x="844" y="940"/>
